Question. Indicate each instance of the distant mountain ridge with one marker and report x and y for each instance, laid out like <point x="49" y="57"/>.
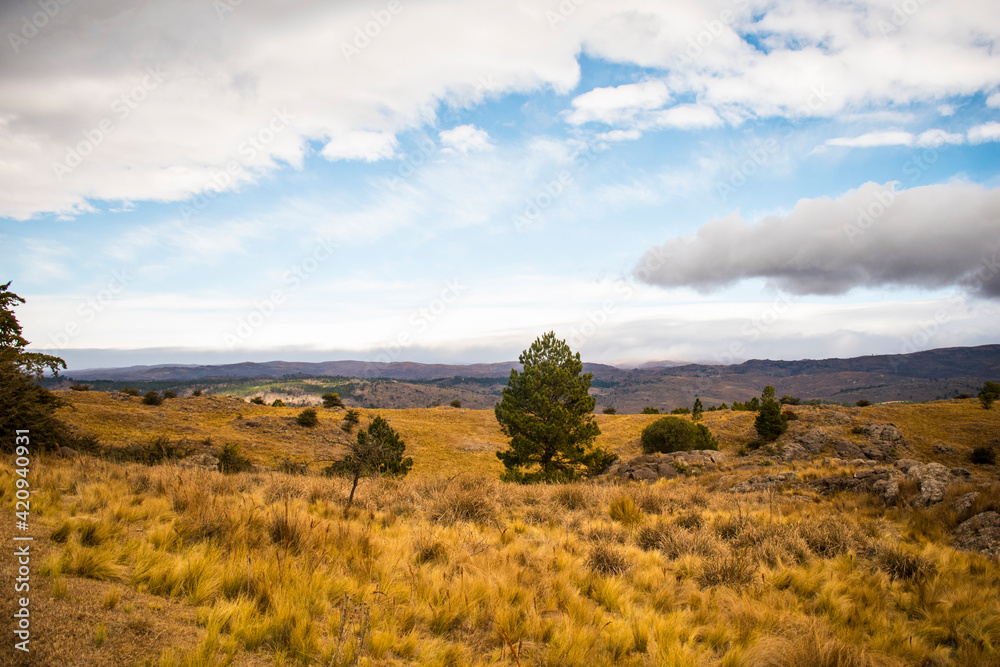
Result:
<point x="965" y="362"/>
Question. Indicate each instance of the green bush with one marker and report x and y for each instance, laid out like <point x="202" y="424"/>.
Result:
<point x="863" y="403"/>
<point x="79" y="386"/>
<point x="672" y="434"/>
<point x="130" y="391"/>
<point x="258" y="400"/>
<point x="196" y="392"/>
<point x="169" y="393"/>
<point x="989" y="394"/>
<point x="231" y="461"/>
<point x="307" y="418"/>
<point x="983" y="456"/>
<point x="350" y="419"/>
<point x="278" y="403"/>
<point x="610" y="410"/>
<point x="649" y="410"/>
<point x="152" y="398"/>
<point x="681" y="411"/>
<point x="332" y="400"/>
<point x="456" y="403"/>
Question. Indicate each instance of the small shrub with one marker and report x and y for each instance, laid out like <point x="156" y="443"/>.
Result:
<point x="152" y="398"/>
<point x="332" y="400"/>
<point x="231" y="461"/>
<point x="351" y="418"/>
<point x="290" y="467"/>
<point x="607" y="559"/>
<point x="900" y="563"/>
<point x="789" y="400"/>
<point x="130" y="391"/>
<point x="624" y="510"/>
<point x="788" y="415"/>
<point x="827" y="538"/>
<point x="257" y="400"/>
<point x="79" y="386"/>
<point x="691" y="520"/>
<point x="649" y="410"/>
<point x="430" y="550"/>
<point x="571" y="497"/>
<point x="681" y="411"/>
<point x="169" y="393"/>
<point x="863" y="403"/>
<point x="196" y="392"/>
<point x="671" y="434"/>
<point x="983" y="456"/>
<point x="610" y="410"/>
<point x="456" y="403"/>
<point x="735" y="571"/>
<point x="307" y="418"/>
<point x="653" y="536"/>
<point x="278" y="403"/>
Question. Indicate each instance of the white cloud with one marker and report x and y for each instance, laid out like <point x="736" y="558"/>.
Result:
<point x="223" y="80"/>
<point x="936" y="138"/>
<point x="360" y="145"/>
<point x="688" y="117"/>
<point x="984" y="133"/>
<point x="466" y="138"/>
<point x="993" y="100"/>
<point x="873" y="139"/>
<point x="619" y="135"/>
<point x="947" y="110"/>
<point x="619" y="104"/>
<point x="934" y="236"/>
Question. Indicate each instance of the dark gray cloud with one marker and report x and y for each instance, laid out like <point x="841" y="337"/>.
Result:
<point x="936" y="236"/>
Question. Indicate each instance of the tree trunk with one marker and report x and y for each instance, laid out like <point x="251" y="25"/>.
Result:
<point x="350" y="499"/>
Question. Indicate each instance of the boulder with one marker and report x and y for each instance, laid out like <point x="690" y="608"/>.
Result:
<point x="793" y="451"/>
<point x="764" y="482"/>
<point x="934" y="479"/>
<point x="651" y="467"/>
<point x="943" y="448"/>
<point x="906" y="464"/>
<point x="846" y="449"/>
<point x="980" y="533"/>
<point x="887" y="490"/>
<point x="963" y="503"/>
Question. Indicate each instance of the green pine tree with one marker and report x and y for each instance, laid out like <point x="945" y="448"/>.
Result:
<point x="546" y="413"/>
<point x="770" y="423"/>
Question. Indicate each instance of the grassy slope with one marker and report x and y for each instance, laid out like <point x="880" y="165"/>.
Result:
<point x="253" y="569"/>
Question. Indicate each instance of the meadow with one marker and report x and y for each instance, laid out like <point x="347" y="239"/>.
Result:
<point x="165" y="565"/>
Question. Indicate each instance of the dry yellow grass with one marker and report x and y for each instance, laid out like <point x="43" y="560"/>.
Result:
<point x="168" y="566"/>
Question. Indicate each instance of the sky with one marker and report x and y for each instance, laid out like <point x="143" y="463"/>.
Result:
<point x="214" y="181"/>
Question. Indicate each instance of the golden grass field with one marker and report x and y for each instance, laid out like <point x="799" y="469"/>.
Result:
<point x="162" y="565"/>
